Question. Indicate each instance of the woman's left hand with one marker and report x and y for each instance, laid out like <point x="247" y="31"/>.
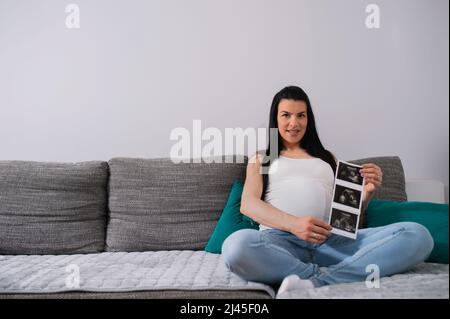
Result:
<point x="373" y="179"/>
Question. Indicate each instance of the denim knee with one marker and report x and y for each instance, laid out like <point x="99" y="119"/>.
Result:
<point x="235" y="247"/>
<point x="419" y="238"/>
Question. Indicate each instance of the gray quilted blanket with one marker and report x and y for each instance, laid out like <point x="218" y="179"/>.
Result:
<point x="426" y="281"/>
<point x="120" y="271"/>
<point x="188" y="270"/>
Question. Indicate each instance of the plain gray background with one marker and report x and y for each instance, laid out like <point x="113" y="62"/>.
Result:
<point x="136" y="70"/>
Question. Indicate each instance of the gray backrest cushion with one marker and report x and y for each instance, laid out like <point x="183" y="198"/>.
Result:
<point x="158" y="205"/>
<point x="52" y="208"/>
<point x="393" y="185"/>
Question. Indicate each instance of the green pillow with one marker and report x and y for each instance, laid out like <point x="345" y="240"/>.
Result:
<point x="230" y="221"/>
<point x="431" y="215"/>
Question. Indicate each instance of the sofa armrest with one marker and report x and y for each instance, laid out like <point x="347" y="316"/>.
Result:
<point x="425" y="190"/>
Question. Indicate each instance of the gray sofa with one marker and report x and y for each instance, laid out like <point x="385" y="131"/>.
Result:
<point x="136" y="228"/>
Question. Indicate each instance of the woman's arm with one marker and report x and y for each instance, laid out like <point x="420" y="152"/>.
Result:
<point x="373" y="179"/>
<point x="366" y="201"/>
<point x="257" y="209"/>
<point x="363" y="216"/>
<point x="306" y="228"/>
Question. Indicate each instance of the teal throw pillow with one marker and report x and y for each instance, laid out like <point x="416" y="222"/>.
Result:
<point x="230" y="220"/>
<point x="431" y="215"/>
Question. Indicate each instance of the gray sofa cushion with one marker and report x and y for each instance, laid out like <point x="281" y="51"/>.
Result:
<point x="158" y="205"/>
<point x="424" y="281"/>
<point x="120" y="272"/>
<point x="147" y="294"/>
<point x="52" y="208"/>
<point x="393" y="185"/>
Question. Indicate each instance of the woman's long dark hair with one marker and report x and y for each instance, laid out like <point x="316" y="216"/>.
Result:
<point x="310" y="141"/>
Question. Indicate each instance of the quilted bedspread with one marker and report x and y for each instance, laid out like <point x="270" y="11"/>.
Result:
<point x="188" y="270"/>
<point x="426" y="281"/>
<point x="120" y="271"/>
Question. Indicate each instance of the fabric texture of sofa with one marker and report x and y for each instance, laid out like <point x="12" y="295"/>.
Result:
<point x="137" y="228"/>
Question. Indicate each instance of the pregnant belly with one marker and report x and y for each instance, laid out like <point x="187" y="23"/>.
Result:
<point x="308" y="199"/>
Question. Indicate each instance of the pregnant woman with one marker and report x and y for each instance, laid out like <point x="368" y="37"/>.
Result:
<point x="293" y="248"/>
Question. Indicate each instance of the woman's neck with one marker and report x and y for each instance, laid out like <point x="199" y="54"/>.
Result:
<point x="291" y="148"/>
<point x="294" y="152"/>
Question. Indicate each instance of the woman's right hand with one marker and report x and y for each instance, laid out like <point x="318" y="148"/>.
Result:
<point x="311" y="229"/>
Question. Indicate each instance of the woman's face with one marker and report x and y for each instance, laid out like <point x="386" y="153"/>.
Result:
<point x="292" y="121"/>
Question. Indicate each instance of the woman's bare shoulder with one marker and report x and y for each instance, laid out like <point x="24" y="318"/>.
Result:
<point x="256" y="158"/>
<point x="335" y="158"/>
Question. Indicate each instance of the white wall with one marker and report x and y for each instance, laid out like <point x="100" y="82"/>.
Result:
<point x="137" y="69"/>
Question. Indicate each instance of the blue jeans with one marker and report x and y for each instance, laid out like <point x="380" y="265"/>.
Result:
<point x="269" y="256"/>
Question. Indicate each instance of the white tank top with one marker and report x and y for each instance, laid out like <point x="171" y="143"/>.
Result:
<point x="300" y="187"/>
